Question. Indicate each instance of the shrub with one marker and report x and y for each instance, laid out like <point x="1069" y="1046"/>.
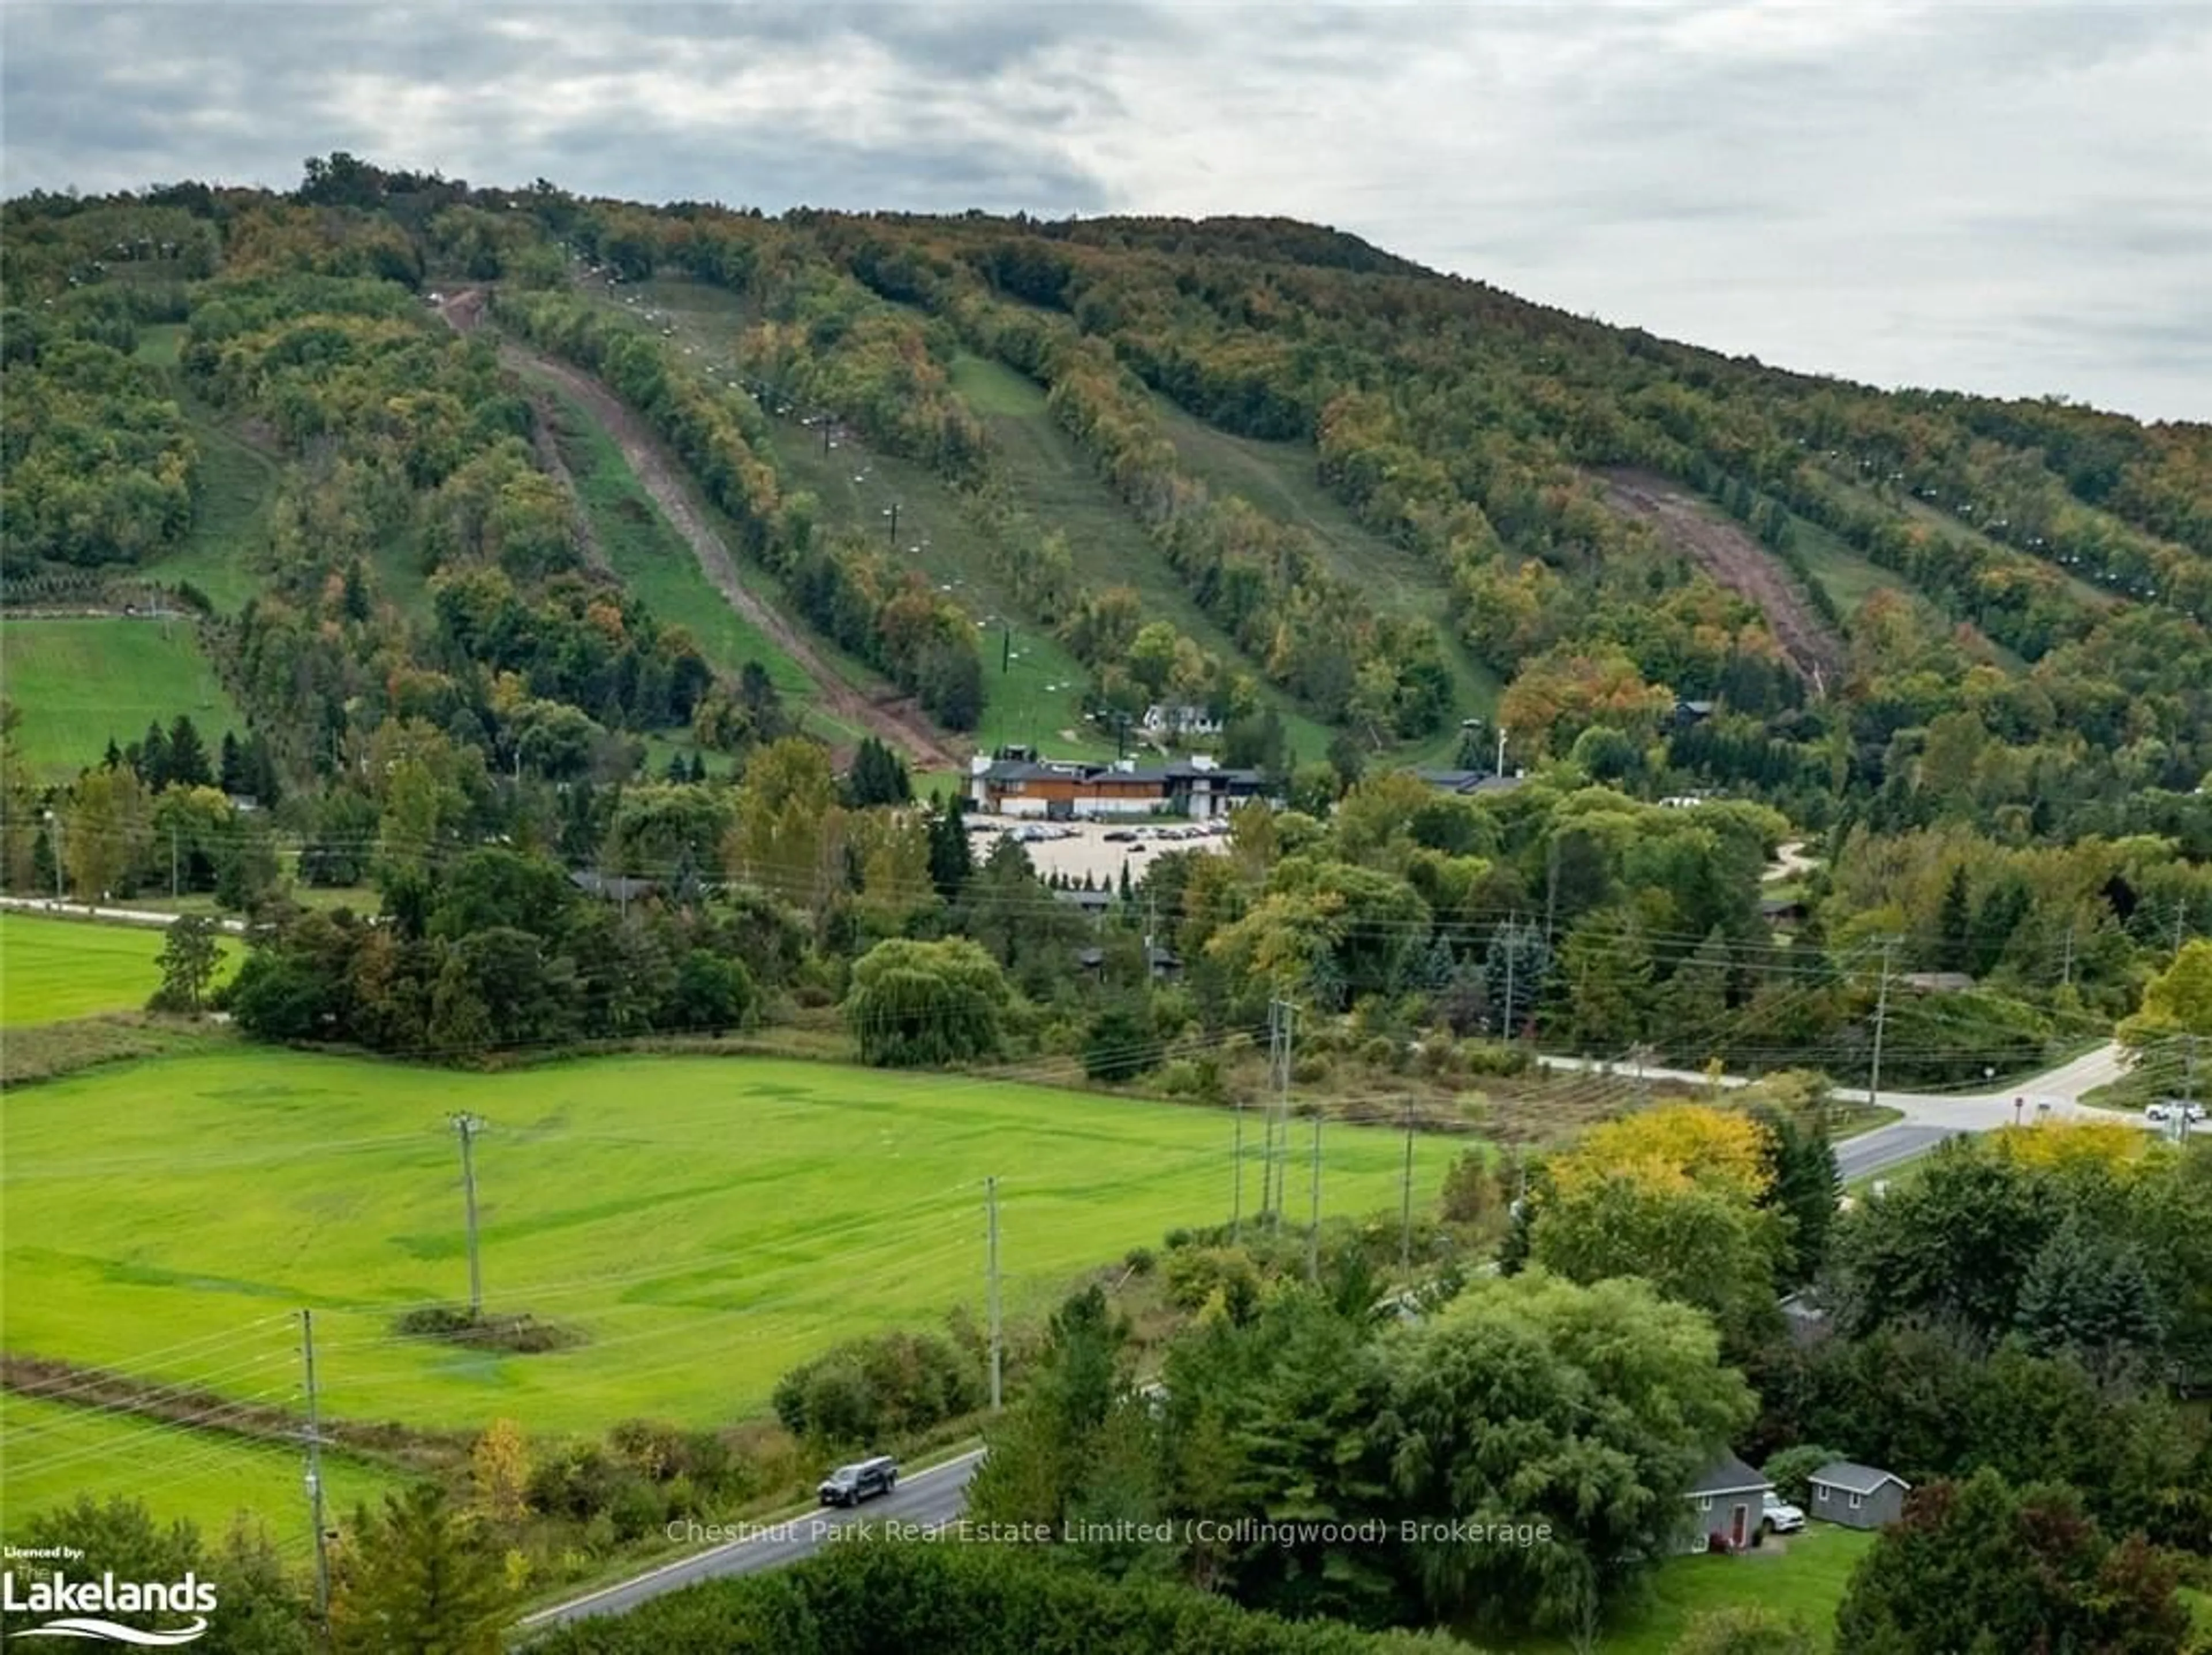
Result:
<point x="874" y="1389"/>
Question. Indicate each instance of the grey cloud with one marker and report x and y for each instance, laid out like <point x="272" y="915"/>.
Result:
<point x="2002" y="197"/>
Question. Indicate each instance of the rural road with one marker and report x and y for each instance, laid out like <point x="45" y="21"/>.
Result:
<point x="937" y="1494"/>
<point x="1930" y="1117"/>
<point x="78" y="911"/>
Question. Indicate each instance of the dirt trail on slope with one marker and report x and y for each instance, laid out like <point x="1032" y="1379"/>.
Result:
<point x="893" y="719"/>
<point x="1737" y="561"/>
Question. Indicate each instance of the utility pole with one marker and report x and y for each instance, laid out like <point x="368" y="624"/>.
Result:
<point x="991" y="1203"/>
<point x="2066" y="972"/>
<point x="1268" y="1118"/>
<point x="1406" y="1200"/>
<point x="891" y="511"/>
<point x="1880" y="1017"/>
<point x="2188" y="1085"/>
<point x="1551" y="885"/>
<point x="2180" y="909"/>
<point x="1283" y="1125"/>
<point x="1501" y="750"/>
<point x="173" y="861"/>
<point x="468" y="1126"/>
<point x="54" y="843"/>
<point x="1313" y="1227"/>
<point x="1505" y="1025"/>
<point x="1237" y="1166"/>
<point x="315" y="1476"/>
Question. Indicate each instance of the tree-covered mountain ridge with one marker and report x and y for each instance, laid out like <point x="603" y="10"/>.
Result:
<point x="1330" y="485"/>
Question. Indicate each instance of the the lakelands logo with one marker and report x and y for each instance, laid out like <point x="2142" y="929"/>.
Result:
<point x="81" y="1608"/>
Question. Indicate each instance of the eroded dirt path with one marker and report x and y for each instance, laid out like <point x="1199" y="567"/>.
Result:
<point x="891" y="718"/>
<point x="1738" y="562"/>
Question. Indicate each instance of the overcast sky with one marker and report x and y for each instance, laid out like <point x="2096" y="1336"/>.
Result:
<point x="2013" y="197"/>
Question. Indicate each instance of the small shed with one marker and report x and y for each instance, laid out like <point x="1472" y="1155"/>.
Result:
<point x="1856" y="1496"/>
<point x="1727" y="1498"/>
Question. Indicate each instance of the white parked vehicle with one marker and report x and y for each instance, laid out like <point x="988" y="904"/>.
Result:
<point x="2172" y="1109"/>
<point x="1777" y="1516"/>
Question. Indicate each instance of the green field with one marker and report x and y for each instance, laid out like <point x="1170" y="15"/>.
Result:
<point x="55" y="969"/>
<point x="705" y="1222"/>
<point x="1803" y="1575"/>
<point x="80" y="682"/>
<point x="55" y="1453"/>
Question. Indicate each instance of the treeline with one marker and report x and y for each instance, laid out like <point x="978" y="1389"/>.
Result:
<point x="500" y="952"/>
<point x="96" y="465"/>
<point x="884" y="614"/>
<point x="827" y="343"/>
<point x="1263" y="583"/>
<point x="857" y="1596"/>
<point x="834" y="350"/>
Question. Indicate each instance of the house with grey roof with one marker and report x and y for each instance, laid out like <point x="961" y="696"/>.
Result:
<point x="1856" y="1496"/>
<point x="1725" y="1499"/>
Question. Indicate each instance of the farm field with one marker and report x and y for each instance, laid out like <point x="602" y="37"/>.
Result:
<point x="704" y="1222"/>
<point x="56" y="1452"/>
<point x="79" y="682"/>
<point x="1802" y="1575"/>
<point x="50" y="970"/>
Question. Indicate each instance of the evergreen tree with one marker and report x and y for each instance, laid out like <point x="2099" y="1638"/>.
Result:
<point x="230" y="768"/>
<point x="1513" y="971"/>
<point x="1803" y="1187"/>
<point x="878" y="777"/>
<point x="698" y="768"/>
<point x="112" y="760"/>
<point x="1954" y="925"/>
<point x="151" y="758"/>
<point x="261" y="765"/>
<point x="355" y="602"/>
<point x="417" y="1577"/>
<point x="188" y="962"/>
<point x="188" y="759"/>
<point x="951" y="862"/>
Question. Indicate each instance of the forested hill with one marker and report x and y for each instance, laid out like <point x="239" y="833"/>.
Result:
<point x="1251" y="476"/>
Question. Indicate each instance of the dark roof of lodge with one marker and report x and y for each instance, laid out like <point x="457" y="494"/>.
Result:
<point x="1469" y="781"/>
<point x="1179" y="770"/>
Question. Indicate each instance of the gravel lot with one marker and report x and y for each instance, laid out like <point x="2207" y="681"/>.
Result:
<point x="1076" y="848"/>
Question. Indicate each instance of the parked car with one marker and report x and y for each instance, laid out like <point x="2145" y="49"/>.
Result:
<point x="1777" y="1516"/>
<point x="849" y="1485"/>
<point x="2172" y="1109"/>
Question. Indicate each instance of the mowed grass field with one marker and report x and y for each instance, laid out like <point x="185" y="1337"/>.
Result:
<point x="51" y="1453"/>
<point x="80" y="682"/>
<point x="706" y="1222"/>
<point x="50" y="970"/>
<point x="1803" y="1576"/>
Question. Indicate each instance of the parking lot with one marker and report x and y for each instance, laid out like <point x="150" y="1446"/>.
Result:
<point x="1096" y="848"/>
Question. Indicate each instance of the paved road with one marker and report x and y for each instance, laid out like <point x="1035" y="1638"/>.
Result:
<point x="1890" y="1145"/>
<point x="937" y="1494"/>
<point x="2060" y="1088"/>
<point x="78" y="911"/>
